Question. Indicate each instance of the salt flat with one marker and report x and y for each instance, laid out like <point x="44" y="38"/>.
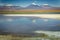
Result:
<point x="54" y="16"/>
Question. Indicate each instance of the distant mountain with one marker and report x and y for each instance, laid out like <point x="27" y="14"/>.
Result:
<point x="30" y="7"/>
<point x="10" y="7"/>
<point x="45" y="6"/>
<point x="42" y="7"/>
<point x="33" y="7"/>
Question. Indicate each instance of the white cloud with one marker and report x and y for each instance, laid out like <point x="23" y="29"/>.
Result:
<point x="33" y="21"/>
<point x="34" y="3"/>
<point x="45" y="20"/>
<point x="45" y="4"/>
<point x="8" y="5"/>
<point x="10" y="20"/>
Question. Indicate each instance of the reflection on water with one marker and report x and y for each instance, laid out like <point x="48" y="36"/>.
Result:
<point x="24" y="24"/>
<point x="29" y="28"/>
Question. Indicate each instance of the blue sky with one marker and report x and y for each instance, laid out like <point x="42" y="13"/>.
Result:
<point x="28" y="2"/>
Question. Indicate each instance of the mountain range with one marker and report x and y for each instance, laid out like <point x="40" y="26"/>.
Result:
<point x="30" y="7"/>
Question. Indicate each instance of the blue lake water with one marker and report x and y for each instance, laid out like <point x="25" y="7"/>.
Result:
<point x="22" y="24"/>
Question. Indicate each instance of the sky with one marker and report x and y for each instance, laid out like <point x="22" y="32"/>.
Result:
<point x="28" y="2"/>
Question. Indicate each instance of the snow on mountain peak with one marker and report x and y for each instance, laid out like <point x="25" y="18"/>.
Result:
<point x="45" y="4"/>
<point x="34" y="3"/>
<point x="8" y="5"/>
